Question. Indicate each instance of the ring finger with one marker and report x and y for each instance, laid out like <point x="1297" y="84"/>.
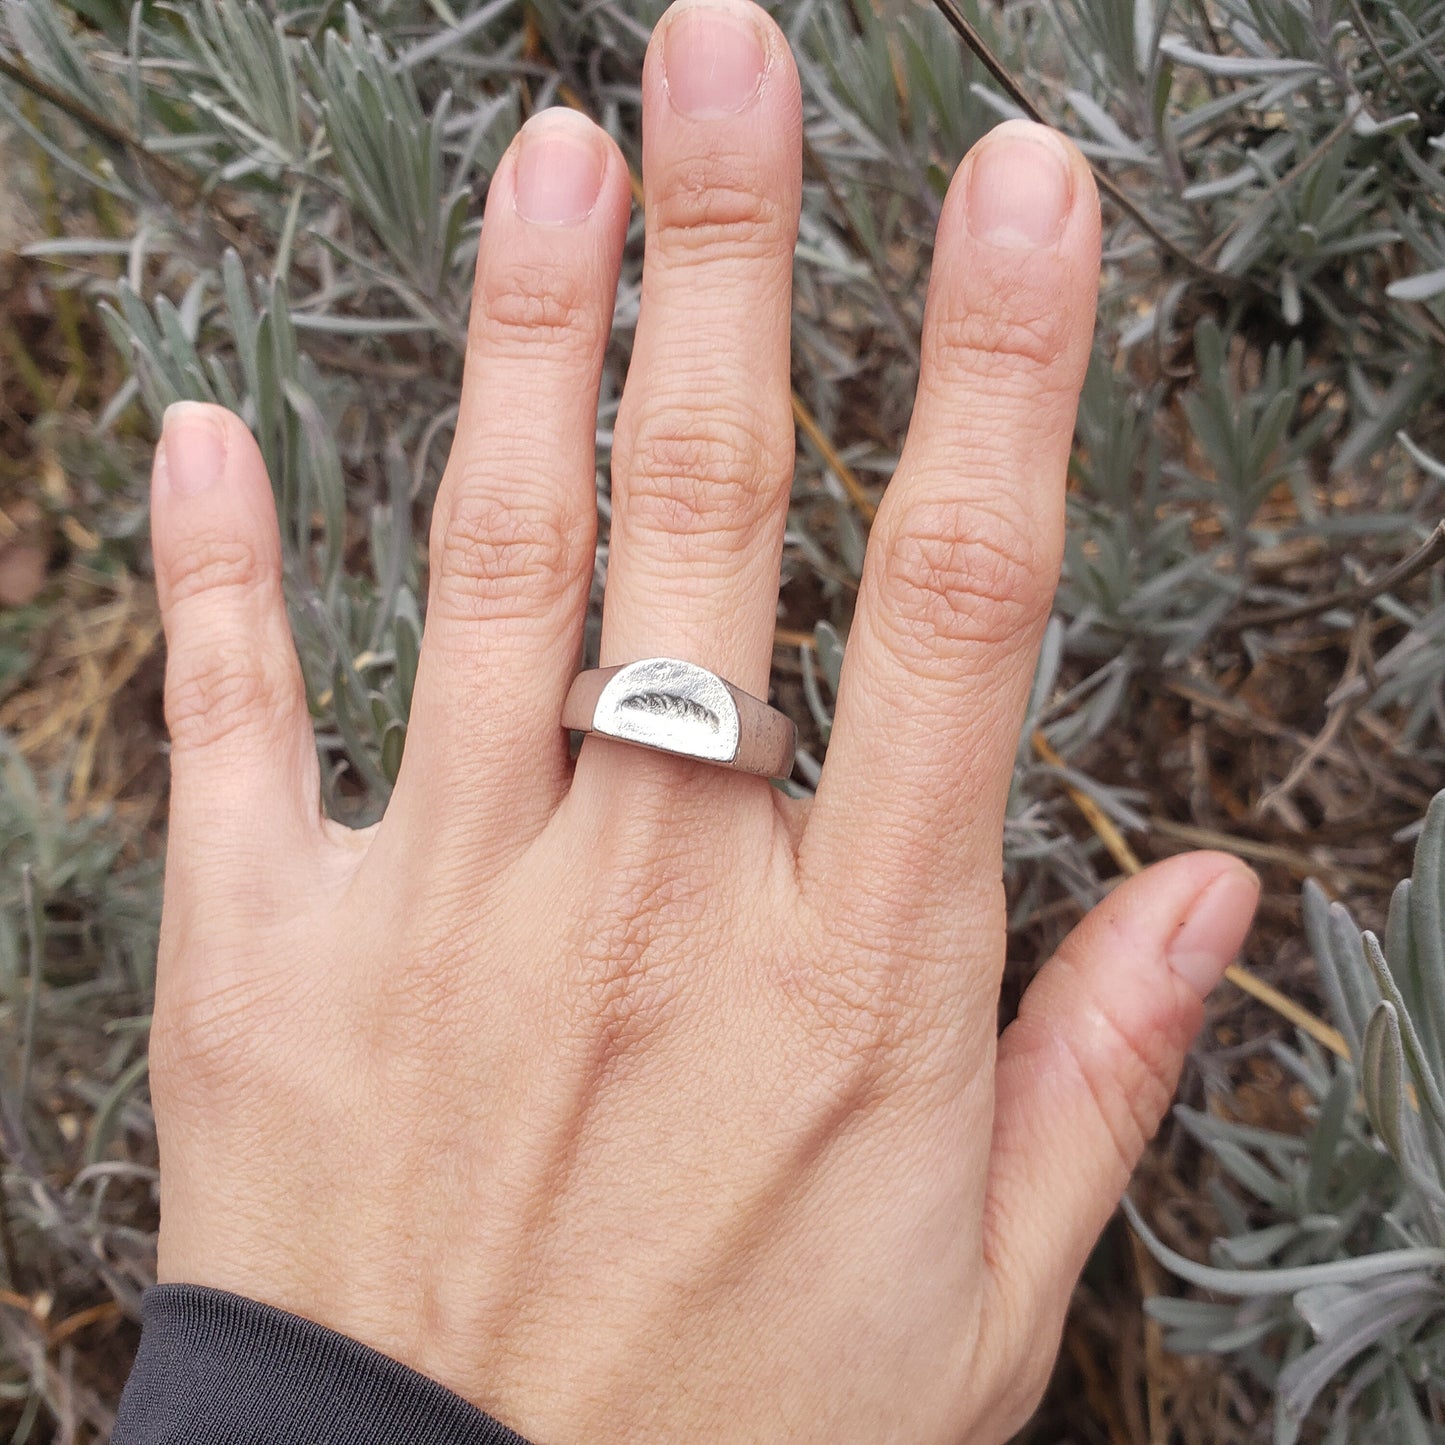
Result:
<point x="704" y="448"/>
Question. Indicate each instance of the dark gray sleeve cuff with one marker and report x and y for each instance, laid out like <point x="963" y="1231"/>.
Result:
<point x="216" y="1369"/>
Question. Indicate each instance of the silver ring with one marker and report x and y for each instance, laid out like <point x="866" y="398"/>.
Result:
<point x="679" y="707"/>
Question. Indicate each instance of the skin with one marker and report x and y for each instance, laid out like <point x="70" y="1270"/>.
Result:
<point x="630" y="1099"/>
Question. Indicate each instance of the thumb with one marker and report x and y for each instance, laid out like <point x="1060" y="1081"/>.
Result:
<point x="1087" y="1070"/>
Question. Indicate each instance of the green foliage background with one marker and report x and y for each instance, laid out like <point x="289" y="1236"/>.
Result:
<point x="276" y="206"/>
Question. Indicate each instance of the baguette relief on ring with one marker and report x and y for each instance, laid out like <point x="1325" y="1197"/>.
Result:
<point x="679" y="707"/>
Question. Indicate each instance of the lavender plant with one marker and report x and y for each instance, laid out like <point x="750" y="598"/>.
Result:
<point x="1333" y="1259"/>
<point x="275" y="204"/>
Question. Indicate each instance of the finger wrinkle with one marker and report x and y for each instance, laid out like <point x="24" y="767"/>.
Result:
<point x="991" y="343"/>
<point x="215" y="564"/>
<point x="556" y="309"/>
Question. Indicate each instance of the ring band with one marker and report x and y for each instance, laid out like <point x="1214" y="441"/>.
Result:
<point x="679" y="707"/>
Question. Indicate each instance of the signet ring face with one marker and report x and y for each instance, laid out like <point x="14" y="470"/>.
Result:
<point x="678" y="707"/>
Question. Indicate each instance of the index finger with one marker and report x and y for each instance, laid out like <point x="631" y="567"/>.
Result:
<point x="964" y="556"/>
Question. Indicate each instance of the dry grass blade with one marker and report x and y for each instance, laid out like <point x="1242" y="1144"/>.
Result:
<point x="867" y="508"/>
<point x="1129" y="864"/>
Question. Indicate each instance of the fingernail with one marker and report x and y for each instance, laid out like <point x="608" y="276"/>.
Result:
<point x="1214" y="929"/>
<point x="192" y="453"/>
<point x="560" y="164"/>
<point x="1020" y="186"/>
<point x="713" y="58"/>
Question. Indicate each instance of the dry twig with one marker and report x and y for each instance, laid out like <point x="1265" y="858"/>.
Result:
<point x="1431" y="551"/>
<point x="1128" y="861"/>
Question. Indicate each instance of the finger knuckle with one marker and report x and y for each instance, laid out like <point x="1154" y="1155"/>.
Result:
<point x="996" y="345"/>
<point x="959" y="575"/>
<point x="1133" y="1093"/>
<point x="1129" y="1075"/>
<point x="703" y="475"/>
<point x="222" y="688"/>
<point x="535" y="305"/>
<point x="211" y="564"/>
<point x="497" y="558"/>
<point x="708" y="208"/>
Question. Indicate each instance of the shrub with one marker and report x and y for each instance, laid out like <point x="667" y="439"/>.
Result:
<point x="1336" y="1249"/>
<point x="276" y="206"/>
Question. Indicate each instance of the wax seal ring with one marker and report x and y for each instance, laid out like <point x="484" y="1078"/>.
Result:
<point x="679" y="707"/>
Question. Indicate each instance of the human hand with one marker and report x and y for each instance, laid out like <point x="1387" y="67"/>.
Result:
<point x="634" y="1100"/>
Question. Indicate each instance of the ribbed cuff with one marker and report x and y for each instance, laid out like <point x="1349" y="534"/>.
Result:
<point x="216" y="1369"/>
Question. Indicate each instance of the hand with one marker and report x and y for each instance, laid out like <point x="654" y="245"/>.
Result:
<point x="632" y="1100"/>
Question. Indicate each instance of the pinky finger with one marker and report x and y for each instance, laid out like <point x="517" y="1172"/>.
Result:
<point x="244" y="773"/>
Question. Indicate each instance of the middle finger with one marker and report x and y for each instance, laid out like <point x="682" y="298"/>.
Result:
<point x="703" y="459"/>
